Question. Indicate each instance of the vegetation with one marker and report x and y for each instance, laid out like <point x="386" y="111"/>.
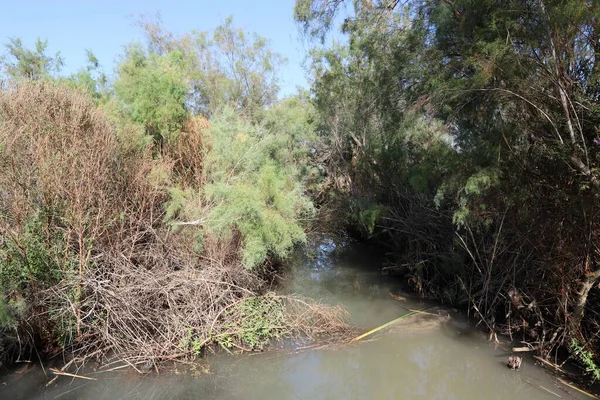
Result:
<point x="141" y="216"/>
<point x="23" y="63"/>
<point x="144" y="213"/>
<point x="463" y="136"/>
<point x="586" y="358"/>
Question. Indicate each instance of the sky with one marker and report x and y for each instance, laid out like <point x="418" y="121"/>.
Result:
<point x="104" y="27"/>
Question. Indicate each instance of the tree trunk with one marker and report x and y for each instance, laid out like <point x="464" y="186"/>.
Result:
<point x="586" y="286"/>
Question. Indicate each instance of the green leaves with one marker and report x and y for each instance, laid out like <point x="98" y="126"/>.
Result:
<point x="227" y="67"/>
<point x="258" y="320"/>
<point x="254" y="158"/>
<point x="585" y="357"/>
<point x="252" y="191"/>
<point x="152" y="91"/>
<point x="23" y="63"/>
<point x="91" y="79"/>
<point x="316" y="17"/>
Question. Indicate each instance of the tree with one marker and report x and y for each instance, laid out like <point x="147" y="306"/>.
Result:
<point x="152" y="91"/>
<point x="316" y="16"/>
<point x="228" y="67"/>
<point x="23" y="63"/>
<point x="91" y="78"/>
<point x="531" y="68"/>
<point x="511" y="89"/>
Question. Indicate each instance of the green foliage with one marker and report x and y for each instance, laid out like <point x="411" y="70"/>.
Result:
<point x="259" y="320"/>
<point x="112" y="182"/>
<point x="479" y="182"/>
<point x="6" y="319"/>
<point x="315" y="19"/>
<point x="254" y="170"/>
<point x="470" y="193"/>
<point x="367" y="214"/>
<point x="91" y="79"/>
<point x="293" y="122"/>
<point x="23" y="63"/>
<point x="226" y="67"/>
<point x="153" y="91"/>
<point x="10" y="312"/>
<point x="250" y="66"/>
<point x="267" y="224"/>
<point x="252" y="191"/>
<point x="190" y="343"/>
<point x="472" y="120"/>
<point x="30" y="258"/>
<point x="586" y="357"/>
<point x="178" y="198"/>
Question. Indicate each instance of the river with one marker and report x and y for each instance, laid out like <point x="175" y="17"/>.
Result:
<point x="423" y="357"/>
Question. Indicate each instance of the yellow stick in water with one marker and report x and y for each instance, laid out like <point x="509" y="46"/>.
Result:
<point x="364" y="335"/>
<point x="593" y="396"/>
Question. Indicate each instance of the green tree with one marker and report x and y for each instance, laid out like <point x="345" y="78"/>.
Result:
<point x="484" y="114"/>
<point x="228" y="67"/>
<point x="91" y="78"/>
<point x="22" y="63"/>
<point x="250" y="189"/>
<point x="151" y="90"/>
<point x="293" y="122"/>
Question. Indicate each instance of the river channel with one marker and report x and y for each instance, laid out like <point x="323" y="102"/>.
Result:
<point x="437" y="358"/>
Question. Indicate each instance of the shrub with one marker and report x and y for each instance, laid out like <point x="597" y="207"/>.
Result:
<point x="86" y="208"/>
<point x="67" y="196"/>
<point x="252" y="192"/>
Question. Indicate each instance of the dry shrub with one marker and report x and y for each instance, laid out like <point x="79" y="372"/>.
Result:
<point x="60" y="159"/>
<point x="148" y="312"/>
<point x="308" y="318"/>
<point x="253" y="323"/>
<point x="57" y="151"/>
<point x="129" y="285"/>
<point x="188" y="151"/>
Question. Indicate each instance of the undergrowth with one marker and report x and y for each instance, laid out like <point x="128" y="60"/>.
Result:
<point x="259" y="320"/>
<point x="586" y="358"/>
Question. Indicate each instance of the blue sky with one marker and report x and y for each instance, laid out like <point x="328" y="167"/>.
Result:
<point x="106" y="26"/>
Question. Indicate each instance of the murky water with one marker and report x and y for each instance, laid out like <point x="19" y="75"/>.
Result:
<point x="421" y="357"/>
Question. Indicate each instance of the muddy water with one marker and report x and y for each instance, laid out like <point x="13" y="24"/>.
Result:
<point x="423" y="357"/>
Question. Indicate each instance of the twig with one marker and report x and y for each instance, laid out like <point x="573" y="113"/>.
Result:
<point x="422" y="312"/>
<point x="58" y="372"/>
<point x="196" y="222"/>
<point x="524" y="349"/>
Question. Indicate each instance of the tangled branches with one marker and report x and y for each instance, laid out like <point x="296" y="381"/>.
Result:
<point x="85" y="243"/>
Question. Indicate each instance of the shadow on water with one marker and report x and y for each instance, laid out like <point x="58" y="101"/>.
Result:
<point x="420" y="357"/>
